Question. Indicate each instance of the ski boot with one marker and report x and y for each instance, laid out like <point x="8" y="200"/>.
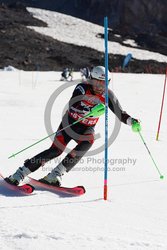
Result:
<point x="18" y="176"/>
<point x="55" y="176"/>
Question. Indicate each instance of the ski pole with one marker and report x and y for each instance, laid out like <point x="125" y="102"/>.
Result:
<point x="137" y="128"/>
<point x="98" y="110"/>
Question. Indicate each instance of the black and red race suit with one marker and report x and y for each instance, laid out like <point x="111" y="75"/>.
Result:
<point x="82" y="101"/>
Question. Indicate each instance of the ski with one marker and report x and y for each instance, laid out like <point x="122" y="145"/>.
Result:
<point x="25" y="188"/>
<point x="74" y="191"/>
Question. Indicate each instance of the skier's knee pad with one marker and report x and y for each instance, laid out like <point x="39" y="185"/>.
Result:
<point x="59" y="143"/>
<point x="86" y="138"/>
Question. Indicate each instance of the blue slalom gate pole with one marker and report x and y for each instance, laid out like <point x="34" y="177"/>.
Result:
<point x="106" y="106"/>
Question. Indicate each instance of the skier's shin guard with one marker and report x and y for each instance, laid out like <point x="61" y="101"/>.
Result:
<point x="39" y="160"/>
<point x="76" y="154"/>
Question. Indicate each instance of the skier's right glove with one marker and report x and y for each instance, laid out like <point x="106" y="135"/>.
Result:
<point x="134" y="123"/>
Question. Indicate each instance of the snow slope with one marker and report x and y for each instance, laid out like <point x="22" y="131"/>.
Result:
<point x="76" y="31"/>
<point x="134" y="217"/>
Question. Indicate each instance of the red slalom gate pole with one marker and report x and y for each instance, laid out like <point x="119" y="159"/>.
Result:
<point x="162" y="104"/>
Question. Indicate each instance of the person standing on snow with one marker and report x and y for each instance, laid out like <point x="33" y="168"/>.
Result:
<point x="65" y="74"/>
<point x="85" y="73"/>
<point x="86" y="95"/>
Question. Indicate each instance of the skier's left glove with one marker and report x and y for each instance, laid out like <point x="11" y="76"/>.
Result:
<point x="135" y="123"/>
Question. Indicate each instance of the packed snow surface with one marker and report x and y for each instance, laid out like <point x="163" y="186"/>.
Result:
<point x="133" y="217"/>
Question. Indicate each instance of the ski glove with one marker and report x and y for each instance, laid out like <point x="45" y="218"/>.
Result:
<point x="136" y="126"/>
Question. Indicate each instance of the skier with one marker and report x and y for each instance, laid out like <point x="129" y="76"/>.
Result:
<point x="86" y="95"/>
<point x="85" y="73"/>
<point x="71" y="74"/>
<point x="65" y="74"/>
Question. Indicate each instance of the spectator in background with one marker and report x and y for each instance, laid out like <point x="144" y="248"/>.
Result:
<point x="65" y="74"/>
<point x="85" y="73"/>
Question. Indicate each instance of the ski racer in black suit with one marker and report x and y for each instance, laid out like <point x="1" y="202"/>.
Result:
<point x="86" y="95"/>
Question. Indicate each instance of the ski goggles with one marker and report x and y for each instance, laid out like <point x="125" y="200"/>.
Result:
<point x="100" y="84"/>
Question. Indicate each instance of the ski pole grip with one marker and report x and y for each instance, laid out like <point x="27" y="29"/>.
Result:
<point x="98" y="110"/>
<point x="136" y="127"/>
